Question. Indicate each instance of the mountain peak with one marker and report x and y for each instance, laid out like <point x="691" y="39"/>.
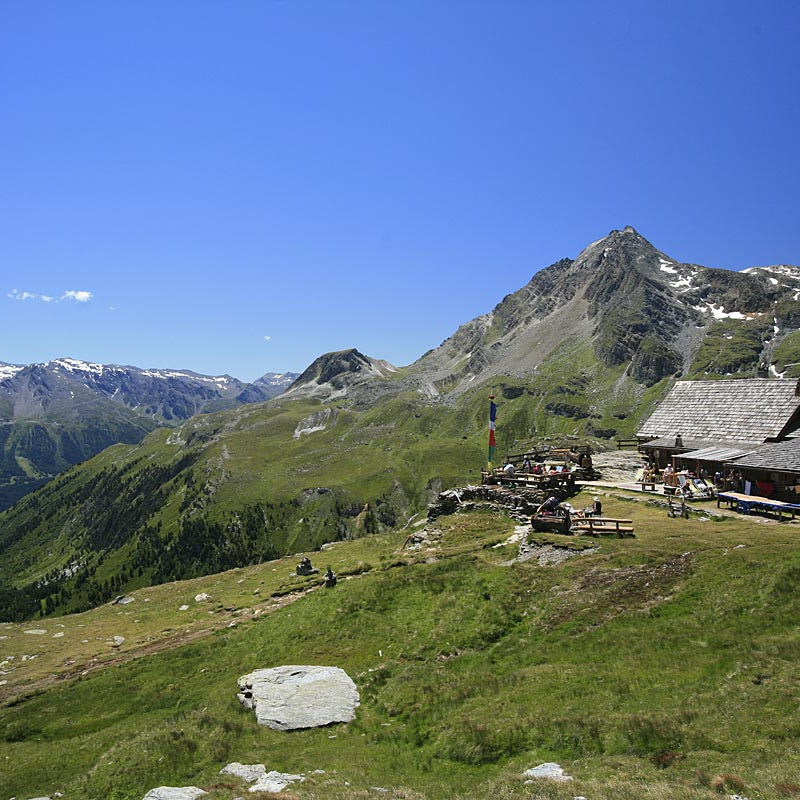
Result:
<point x="333" y="373"/>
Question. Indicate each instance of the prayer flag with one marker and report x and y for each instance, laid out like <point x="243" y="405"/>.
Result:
<point x="492" y="419"/>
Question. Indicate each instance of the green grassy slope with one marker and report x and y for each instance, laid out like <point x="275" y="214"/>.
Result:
<point x="663" y="666"/>
<point x="33" y="451"/>
<point x="732" y="347"/>
<point x="786" y="356"/>
<point x="242" y="486"/>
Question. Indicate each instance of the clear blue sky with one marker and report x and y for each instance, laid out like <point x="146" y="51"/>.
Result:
<point x="242" y="186"/>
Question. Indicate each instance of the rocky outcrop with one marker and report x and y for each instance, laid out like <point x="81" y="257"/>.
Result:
<point x="262" y="780"/>
<point x="295" y="697"/>
<point x="318" y="421"/>
<point x="519" y="503"/>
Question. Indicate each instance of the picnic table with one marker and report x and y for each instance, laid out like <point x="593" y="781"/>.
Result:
<point x="604" y="525"/>
<point x="748" y="503"/>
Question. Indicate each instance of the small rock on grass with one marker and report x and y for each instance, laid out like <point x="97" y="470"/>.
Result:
<point x="549" y="770"/>
<point x="174" y="793"/>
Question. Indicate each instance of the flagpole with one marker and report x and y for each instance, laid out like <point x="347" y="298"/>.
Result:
<point x="492" y="420"/>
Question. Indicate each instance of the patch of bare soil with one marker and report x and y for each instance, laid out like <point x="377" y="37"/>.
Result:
<point x="618" y="466"/>
<point x="607" y="593"/>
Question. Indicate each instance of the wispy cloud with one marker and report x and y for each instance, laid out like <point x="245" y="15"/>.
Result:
<point x="76" y="295"/>
<point x="267" y="338"/>
<point x="16" y="294"/>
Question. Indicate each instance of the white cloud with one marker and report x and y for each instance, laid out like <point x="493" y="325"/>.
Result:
<point x="16" y="294"/>
<point x="267" y="338"/>
<point x="78" y="296"/>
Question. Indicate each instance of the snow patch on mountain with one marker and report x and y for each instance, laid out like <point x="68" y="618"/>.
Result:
<point x="9" y="370"/>
<point x="718" y="312"/>
<point x="74" y="365"/>
<point x="667" y="266"/>
<point x="786" y="270"/>
<point x="164" y="374"/>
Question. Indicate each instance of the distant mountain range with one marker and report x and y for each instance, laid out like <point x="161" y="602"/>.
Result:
<point x="355" y="445"/>
<point x="56" y="414"/>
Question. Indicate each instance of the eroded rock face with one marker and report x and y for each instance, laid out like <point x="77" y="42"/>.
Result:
<point x="294" y="697"/>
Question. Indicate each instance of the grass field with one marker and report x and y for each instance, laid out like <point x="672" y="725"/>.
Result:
<point x="665" y="666"/>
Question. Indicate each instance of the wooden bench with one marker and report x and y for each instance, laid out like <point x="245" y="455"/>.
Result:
<point x="645" y="484"/>
<point x="623" y="443"/>
<point x="604" y="525"/>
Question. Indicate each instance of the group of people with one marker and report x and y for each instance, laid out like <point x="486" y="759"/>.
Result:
<point x="672" y="477"/>
<point x="528" y="468"/>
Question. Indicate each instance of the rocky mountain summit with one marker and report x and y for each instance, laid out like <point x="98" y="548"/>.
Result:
<point x="632" y="304"/>
<point x="343" y="374"/>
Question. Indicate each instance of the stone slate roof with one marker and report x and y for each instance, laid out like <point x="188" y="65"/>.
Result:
<point x="746" y="411"/>
<point x="717" y="453"/>
<point x="668" y="443"/>
<point x="777" y="456"/>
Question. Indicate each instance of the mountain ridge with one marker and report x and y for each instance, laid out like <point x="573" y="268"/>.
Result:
<point x="634" y="302"/>
<point x="60" y="412"/>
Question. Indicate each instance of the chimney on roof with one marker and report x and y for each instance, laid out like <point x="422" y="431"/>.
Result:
<point x="678" y="440"/>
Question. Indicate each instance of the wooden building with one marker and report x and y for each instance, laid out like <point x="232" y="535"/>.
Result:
<point x="747" y="426"/>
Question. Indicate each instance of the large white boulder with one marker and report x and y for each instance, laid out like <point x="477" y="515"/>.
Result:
<point x="548" y="771"/>
<point x="293" y="697"/>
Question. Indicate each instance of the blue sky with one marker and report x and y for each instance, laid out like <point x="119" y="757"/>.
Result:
<point x="240" y="187"/>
